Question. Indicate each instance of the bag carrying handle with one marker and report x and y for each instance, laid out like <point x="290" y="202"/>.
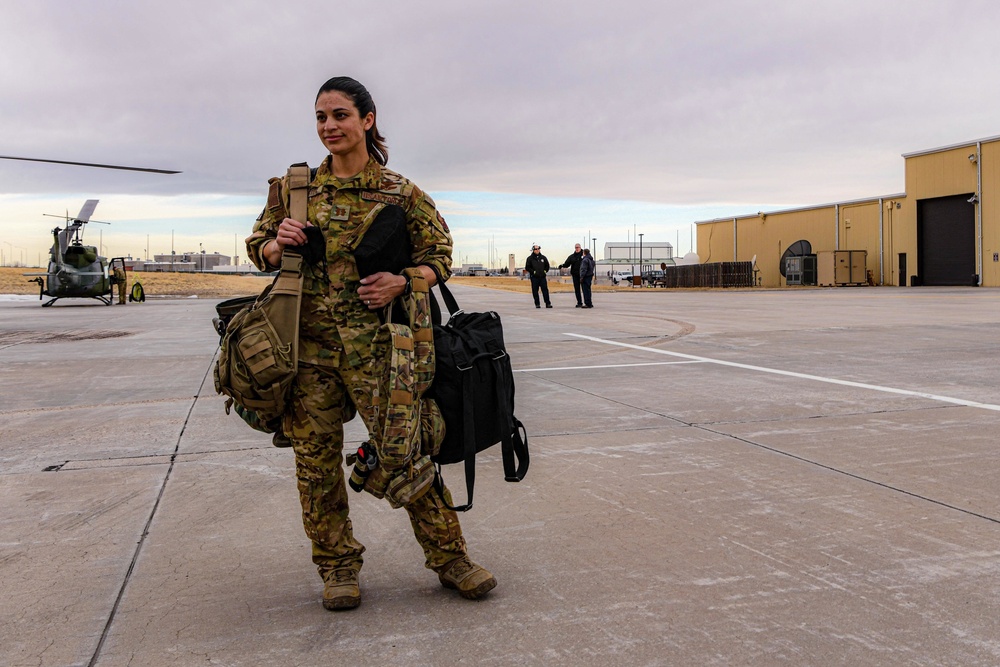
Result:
<point x="449" y="298"/>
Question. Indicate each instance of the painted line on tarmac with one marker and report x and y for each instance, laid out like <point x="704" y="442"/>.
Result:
<point x="801" y="376"/>
<point x="579" y="368"/>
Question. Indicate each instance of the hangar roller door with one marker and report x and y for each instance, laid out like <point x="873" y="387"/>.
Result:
<point x="946" y="241"/>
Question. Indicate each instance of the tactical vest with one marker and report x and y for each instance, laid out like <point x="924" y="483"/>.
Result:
<point x="409" y="427"/>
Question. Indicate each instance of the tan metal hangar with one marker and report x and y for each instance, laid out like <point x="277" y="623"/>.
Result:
<point x="943" y="230"/>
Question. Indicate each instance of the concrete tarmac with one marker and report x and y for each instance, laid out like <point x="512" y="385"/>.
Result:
<point x="794" y="477"/>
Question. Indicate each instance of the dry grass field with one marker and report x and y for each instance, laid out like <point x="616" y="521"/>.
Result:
<point x="13" y="281"/>
<point x="206" y="285"/>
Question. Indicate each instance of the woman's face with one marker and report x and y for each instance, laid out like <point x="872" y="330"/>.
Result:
<point x="339" y="125"/>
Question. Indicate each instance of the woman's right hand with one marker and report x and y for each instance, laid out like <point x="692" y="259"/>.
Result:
<point x="290" y="233"/>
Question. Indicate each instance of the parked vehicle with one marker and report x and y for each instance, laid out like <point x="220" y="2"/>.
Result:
<point x="621" y="277"/>
<point x="650" y="277"/>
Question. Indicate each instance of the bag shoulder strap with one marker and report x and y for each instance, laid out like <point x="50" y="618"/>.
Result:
<point x="449" y="299"/>
<point x="299" y="178"/>
<point x="513" y="446"/>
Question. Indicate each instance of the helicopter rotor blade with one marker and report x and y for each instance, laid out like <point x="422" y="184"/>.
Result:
<point x="53" y="215"/>
<point x="91" y="164"/>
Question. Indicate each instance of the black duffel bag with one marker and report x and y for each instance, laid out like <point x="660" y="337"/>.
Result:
<point x="474" y="389"/>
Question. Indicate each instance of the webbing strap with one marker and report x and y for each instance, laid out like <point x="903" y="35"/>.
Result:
<point x="418" y="283"/>
<point x="254" y="349"/>
<point x="394" y="442"/>
<point x="513" y="447"/>
<point x="469" y="437"/>
<point x="401" y="342"/>
<point x="298" y="191"/>
<point x="400" y="397"/>
<point x="289" y="280"/>
<point x="257" y="367"/>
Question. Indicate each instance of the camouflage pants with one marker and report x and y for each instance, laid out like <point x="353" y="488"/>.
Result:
<point x="323" y="399"/>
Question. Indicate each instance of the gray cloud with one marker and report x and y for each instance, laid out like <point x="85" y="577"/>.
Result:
<point x="657" y="101"/>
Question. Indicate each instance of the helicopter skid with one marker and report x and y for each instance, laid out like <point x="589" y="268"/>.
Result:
<point x="103" y="299"/>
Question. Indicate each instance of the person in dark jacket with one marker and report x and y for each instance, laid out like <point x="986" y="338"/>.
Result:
<point x="536" y="267"/>
<point x="573" y="264"/>
<point x="587" y="272"/>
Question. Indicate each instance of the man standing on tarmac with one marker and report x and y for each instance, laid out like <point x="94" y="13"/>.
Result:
<point x="536" y="267"/>
<point x="573" y="264"/>
<point x="587" y="274"/>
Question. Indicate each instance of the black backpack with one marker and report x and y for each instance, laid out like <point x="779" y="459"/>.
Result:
<point x="474" y="389"/>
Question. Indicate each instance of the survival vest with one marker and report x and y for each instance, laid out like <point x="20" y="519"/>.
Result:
<point x="409" y="427"/>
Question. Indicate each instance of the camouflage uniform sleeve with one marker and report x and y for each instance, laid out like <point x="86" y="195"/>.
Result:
<point x="266" y="227"/>
<point x="429" y="234"/>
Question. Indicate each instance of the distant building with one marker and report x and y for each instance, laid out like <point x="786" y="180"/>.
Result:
<point x="635" y="256"/>
<point x="188" y="261"/>
<point x="164" y="267"/>
<point x="471" y="270"/>
<point x="240" y="269"/>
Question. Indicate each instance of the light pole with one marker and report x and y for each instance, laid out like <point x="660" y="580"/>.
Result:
<point x="631" y="253"/>
<point x="640" y="261"/>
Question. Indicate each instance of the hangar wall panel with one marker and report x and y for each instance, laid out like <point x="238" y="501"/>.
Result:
<point x="900" y="240"/>
<point x="715" y="241"/>
<point x="859" y="230"/>
<point x="990" y="203"/>
<point x="940" y="174"/>
<point x="769" y="237"/>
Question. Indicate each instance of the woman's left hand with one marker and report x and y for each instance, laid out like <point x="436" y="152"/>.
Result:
<point x="379" y="289"/>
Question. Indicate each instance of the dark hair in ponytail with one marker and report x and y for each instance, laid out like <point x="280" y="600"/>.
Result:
<point x="362" y="99"/>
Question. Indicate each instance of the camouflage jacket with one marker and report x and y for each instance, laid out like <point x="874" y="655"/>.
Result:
<point x="334" y="321"/>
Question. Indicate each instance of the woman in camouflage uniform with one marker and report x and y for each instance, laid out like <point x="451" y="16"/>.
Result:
<point x="338" y="321"/>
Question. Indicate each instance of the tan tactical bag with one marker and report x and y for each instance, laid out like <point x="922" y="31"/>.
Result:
<point x="259" y="352"/>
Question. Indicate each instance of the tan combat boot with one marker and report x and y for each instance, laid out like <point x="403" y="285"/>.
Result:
<point x="470" y="580"/>
<point x="341" y="590"/>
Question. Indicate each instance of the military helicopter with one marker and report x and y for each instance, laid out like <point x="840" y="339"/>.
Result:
<point x="77" y="270"/>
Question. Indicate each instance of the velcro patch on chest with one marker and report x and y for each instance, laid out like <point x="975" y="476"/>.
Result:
<point x="340" y="213"/>
<point x="385" y="198"/>
<point x="274" y="202"/>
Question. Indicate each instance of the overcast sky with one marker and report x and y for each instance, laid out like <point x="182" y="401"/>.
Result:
<point x="537" y="121"/>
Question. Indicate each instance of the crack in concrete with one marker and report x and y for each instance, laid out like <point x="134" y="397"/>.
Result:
<point x="149" y="521"/>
